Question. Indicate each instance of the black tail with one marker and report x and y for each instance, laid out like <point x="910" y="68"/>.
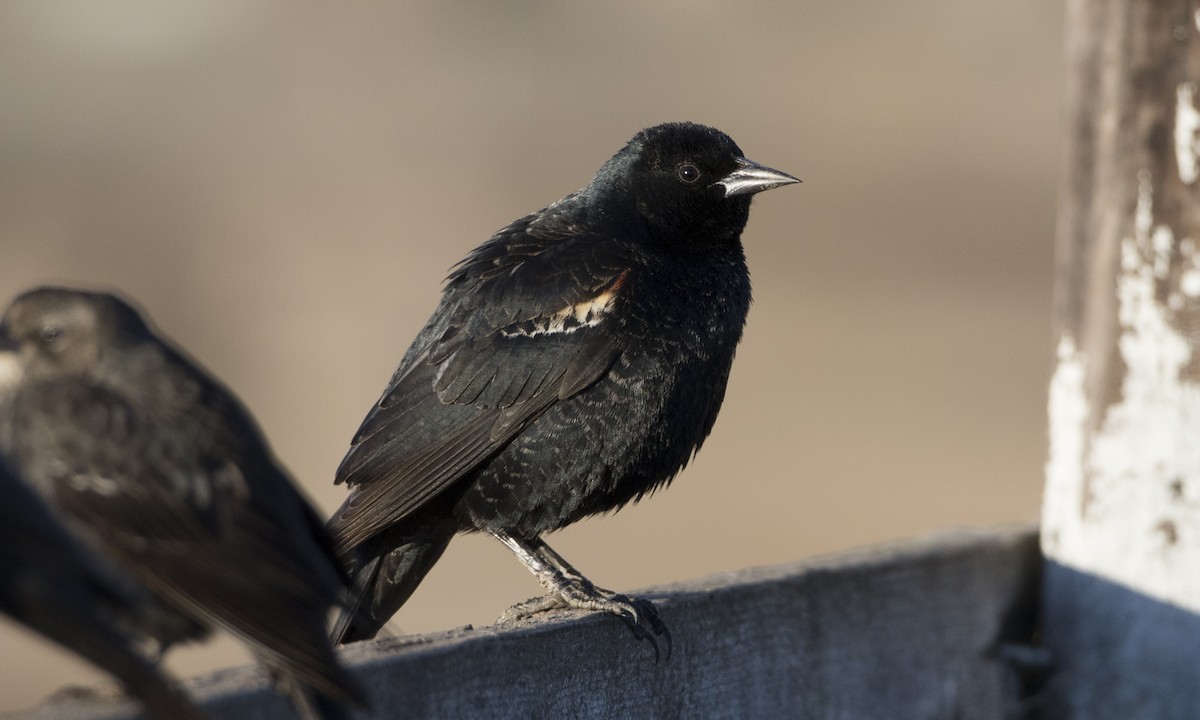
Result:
<point x="385" y="571"/>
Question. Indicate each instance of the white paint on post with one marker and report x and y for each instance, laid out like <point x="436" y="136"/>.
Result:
<point x="1187" y="122"/>
<point x="1064" y="468"/>
<point x="1123" y="502"/>
<point x="1189" y="279"/>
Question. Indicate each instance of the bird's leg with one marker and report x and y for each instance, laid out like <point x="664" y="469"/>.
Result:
<point x="570" y="589"/>
<point x="643" y="611"/>
<point x="549" y="556"/>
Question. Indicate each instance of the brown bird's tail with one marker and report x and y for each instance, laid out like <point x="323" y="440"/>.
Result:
<point x="321" y="703"/>
<point x="160" y="696"/>
<point x="82" y="628"/>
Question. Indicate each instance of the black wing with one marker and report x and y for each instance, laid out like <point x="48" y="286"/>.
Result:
<point x="527" y="319"/>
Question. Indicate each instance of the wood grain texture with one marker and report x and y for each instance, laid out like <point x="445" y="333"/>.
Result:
<point x="905" y="631"/>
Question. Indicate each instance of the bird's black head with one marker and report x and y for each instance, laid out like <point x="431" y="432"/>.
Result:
<point x="689" y="182"/>
<point x="51" y="332"/>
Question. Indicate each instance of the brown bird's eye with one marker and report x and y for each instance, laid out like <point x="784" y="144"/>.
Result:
<point x="50" y="333"/>
<point x="688" y="173"/>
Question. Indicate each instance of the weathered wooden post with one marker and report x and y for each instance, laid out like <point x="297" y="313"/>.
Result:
<point x="1121" y="523"/>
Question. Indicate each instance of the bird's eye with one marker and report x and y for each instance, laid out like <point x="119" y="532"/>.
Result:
<point x="50" y="333"/>
<point x="688" y="173"/>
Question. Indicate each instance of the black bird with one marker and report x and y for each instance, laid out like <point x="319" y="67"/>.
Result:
<point x="51" y="584"/>
<point x="576" y="362"/>
<point x="159" y="465"/>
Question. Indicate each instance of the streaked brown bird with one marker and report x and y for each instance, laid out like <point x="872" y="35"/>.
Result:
<point x="158" y="465"/>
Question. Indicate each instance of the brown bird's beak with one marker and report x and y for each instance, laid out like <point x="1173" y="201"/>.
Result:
<point x="10" y="362"/>
<point x="7" y="344"/>
<point x="750" y="178"/>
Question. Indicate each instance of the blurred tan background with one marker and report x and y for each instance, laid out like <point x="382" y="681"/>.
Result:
<point x="283" y="185"/>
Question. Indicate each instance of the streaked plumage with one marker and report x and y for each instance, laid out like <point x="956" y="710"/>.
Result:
<point x="54" y="586"/>
<point x="158" y="465"/>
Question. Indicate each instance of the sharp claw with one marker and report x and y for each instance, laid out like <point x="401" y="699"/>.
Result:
<point x="658" y="629"/>
<point x="643" y="620"/>
<point x="638" y="614"/>
<point x="669" y="641"/>
<point x="569" y="588"/>
<point x="654" y="643"/>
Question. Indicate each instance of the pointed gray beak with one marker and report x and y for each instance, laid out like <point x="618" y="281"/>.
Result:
<point x="750" y="177"/>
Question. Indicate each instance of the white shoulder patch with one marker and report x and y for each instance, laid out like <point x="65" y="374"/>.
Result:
<point x="588" y="313"/>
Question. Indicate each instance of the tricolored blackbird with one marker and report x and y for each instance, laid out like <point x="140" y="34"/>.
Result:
<point x="576" y="362"/>
<point x="159" y="465"/>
